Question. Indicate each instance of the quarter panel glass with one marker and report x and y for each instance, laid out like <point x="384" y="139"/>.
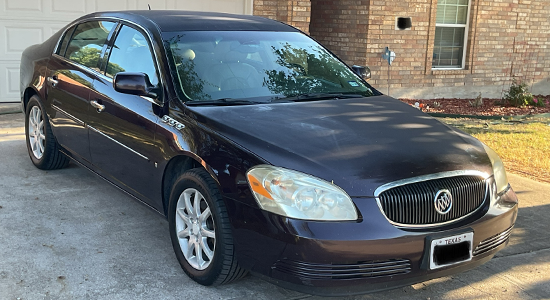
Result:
<point x="87" y="42"/>
<point x="63" y="45"/>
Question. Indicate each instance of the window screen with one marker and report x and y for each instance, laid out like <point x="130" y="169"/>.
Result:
<point x="450" y="33"/>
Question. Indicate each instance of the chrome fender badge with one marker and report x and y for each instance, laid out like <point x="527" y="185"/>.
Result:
<point x="166" y="119"/>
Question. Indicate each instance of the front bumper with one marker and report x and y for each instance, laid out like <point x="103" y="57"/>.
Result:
<point x="346" y="258"/>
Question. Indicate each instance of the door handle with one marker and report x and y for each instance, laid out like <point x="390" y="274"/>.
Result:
<point x="100" y="107"/>
<point x="53" y="81"/>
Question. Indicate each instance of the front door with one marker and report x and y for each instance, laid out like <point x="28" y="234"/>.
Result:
<point x="122" y="129"/>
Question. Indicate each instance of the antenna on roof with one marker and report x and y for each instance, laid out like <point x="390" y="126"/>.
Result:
<point x="149" y="6"/>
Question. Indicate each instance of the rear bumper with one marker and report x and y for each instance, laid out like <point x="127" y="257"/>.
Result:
<point x="346" y="258"/>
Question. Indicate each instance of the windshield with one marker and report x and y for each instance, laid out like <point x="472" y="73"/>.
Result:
<point x="264" y="66"/>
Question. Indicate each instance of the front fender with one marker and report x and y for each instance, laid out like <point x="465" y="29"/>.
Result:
<point x="226" y="161"/>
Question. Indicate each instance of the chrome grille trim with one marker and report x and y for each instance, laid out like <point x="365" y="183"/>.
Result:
<point x="416" y="211"/>
<point x="390" y="185"/>
<point x="369" y="269"/>
<point x="493" y="242"/>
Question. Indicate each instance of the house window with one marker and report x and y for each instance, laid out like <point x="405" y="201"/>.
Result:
<point x="451" y="34"/>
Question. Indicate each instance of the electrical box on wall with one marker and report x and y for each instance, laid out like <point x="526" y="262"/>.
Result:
<point x="403" y="23"/>
<point x="388" y="55"/>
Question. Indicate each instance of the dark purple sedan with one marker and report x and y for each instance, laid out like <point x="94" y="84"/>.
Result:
<point x="265" y="152"/>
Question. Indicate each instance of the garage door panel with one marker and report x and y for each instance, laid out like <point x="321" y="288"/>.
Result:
<point x="69" y="6"/>
<point x="51" y="10"/>
<point x="9" y="81"/>
<point x="12" y="75"/>
<point x="11" y="9"/>
<point x="236" y="6"/>
<point x="24" y="6"/>
<point x="55" y="28"/>
<point x="106" y="5"/>
<point x="14" y="38"/>
<point x="160" y="4"/>
<point x="19" y="38"/>
<point x="228" y="6"/>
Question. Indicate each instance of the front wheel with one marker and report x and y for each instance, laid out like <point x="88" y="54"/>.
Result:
<point x="41" y="143"/>
<point x="201" y="231"/>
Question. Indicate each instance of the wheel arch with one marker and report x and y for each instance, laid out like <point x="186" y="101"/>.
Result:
<point x="175" y="167"/>
<point x="27" y="94"/>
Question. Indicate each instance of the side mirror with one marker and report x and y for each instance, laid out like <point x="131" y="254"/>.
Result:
<point x="362" y="71"/>
<point x="134" y="83"/>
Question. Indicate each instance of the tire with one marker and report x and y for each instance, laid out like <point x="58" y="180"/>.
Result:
<point x="41" y="144"/>
<point x="208" y="232"/>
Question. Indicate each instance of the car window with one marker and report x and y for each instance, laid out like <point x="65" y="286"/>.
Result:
<point x="65" y="41"/>
<point x="131" y="53"/>
<point x="258" y="65"/>
<point x="87" y="41"/>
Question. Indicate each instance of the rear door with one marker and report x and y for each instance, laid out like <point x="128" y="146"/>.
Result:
<point x="72" y="71"/>
<point x="122" y="132"/>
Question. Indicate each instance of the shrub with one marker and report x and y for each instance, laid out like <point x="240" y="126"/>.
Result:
<point x="478" y="101"/>
<point x="518" y="95"/>
<point x="539" y="102"/>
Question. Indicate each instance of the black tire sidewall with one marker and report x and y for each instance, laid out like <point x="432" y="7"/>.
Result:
<point x="194" y="180"/>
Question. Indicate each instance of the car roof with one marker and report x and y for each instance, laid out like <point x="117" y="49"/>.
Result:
<point x="178" y="20"/>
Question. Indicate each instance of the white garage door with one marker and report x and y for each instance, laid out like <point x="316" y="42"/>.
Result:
<point x="27" y="22"/>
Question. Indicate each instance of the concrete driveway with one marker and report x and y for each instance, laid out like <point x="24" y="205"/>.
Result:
<point x="67" y="234"/>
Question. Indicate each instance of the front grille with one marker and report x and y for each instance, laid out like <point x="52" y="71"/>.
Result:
<point x="368" y="269"/>
<point x="413" y="203"/>
<point x="493" y="242"/>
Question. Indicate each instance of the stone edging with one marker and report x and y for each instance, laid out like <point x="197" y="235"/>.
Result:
<point x="521" y="117"/>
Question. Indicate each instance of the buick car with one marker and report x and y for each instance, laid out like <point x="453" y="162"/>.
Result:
<point x="265" y="152"/>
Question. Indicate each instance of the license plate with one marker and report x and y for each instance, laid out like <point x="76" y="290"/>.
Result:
<point x="451" y="250"/>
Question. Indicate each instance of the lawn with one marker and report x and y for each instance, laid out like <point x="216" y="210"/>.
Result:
<point x="523" y="146"/>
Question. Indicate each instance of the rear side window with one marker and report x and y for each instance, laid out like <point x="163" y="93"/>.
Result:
<point x="65" y="41"/>
<point x="87" y="41"/>
<point x="131" y="53"/>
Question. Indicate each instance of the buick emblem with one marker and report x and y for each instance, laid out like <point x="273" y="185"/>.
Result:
<point x="443" y="201"/>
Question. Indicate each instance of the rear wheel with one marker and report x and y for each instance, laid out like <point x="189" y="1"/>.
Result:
<point x="41" y="143"/>
<point x="200" y="230"/>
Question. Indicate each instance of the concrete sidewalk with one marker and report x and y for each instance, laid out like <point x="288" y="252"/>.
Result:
<point x="67" y="234"/>
<point x="9" y="108"/>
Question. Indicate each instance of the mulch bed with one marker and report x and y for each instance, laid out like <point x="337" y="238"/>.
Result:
<point x="490" y="107"/>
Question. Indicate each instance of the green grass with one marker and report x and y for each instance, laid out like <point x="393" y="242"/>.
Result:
<point x="523" y="147"/>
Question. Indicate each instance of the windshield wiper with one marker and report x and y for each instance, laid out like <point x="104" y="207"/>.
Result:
<point x="221" y="102"/>
<point x="317" y="96"/>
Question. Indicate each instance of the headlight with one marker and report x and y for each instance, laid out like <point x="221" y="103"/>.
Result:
<point x="297" y="195"/>
<point x="501" y="180"/>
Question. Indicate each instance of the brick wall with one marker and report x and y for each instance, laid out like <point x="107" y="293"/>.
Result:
<point x="342" y="27"/>
<point x="295" y="13"/>
<point x="512" y="40"/>
<point x="506" y="39"/>
<point x="409" y="67"/>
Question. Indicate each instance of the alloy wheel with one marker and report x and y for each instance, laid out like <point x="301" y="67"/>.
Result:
<point x="195" y="229"/>
<point x="36" y="132"/>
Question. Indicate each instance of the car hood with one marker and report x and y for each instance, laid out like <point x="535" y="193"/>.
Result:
<point x="359" y="144"/>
